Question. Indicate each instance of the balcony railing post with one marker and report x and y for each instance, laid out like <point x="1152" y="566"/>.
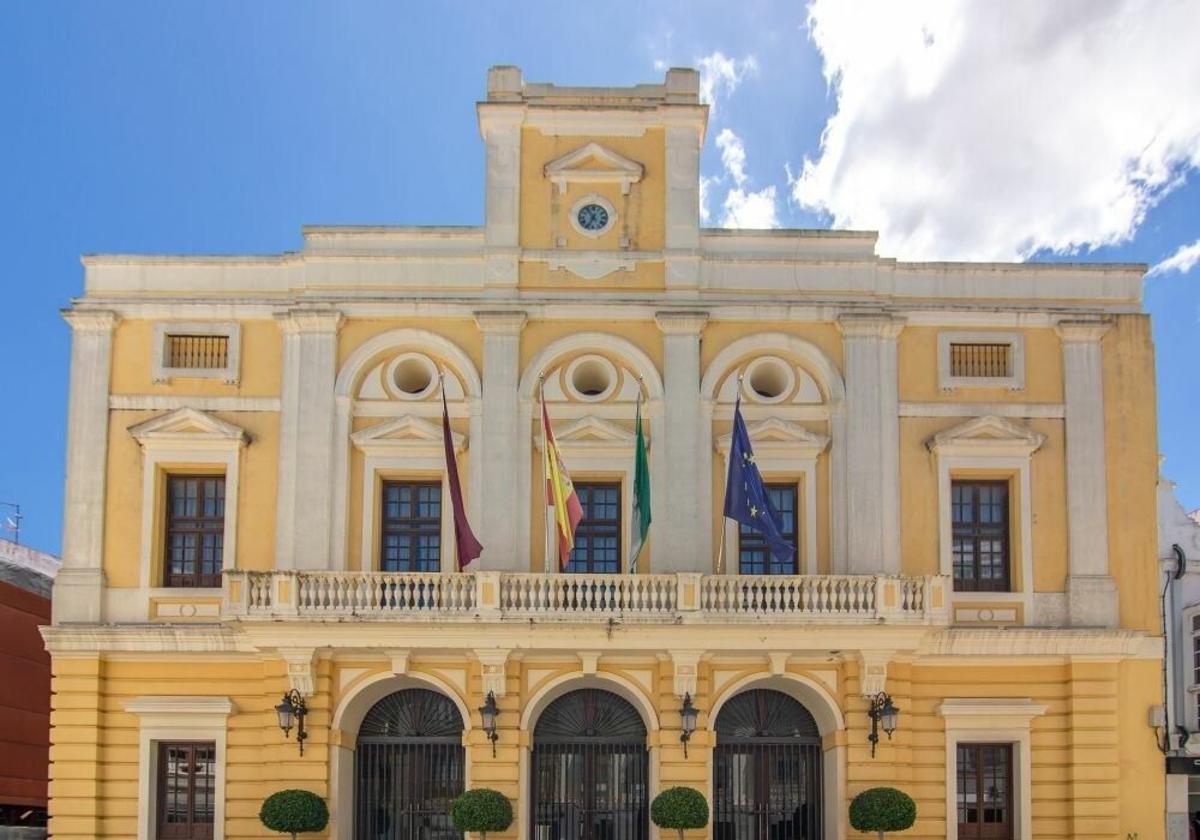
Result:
<point x="889" y="601"/>
<point x="285" y="593"/>
<point x="487" y="594"/>
<point x="235" y="593"/>
<point x="937" y="600"/>
<point x="688" y="591"/>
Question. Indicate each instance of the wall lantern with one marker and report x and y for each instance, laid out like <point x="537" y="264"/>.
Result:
<point x="687" y="717"/>
<point x="293" y="709"/>
<point x="882" y="713"/>
<point x="488" y="712"/>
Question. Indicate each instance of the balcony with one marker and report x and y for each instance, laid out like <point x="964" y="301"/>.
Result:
<point x="685" y="597"/>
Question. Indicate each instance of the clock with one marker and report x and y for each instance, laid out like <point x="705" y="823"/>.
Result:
<point x="592" y="218"/>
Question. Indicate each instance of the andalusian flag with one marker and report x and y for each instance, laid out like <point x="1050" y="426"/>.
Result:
<point x="560" y="492"/>
<point x="641" y="495"/>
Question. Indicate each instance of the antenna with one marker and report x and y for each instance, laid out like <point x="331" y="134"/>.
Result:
<point x="12" y="522"/>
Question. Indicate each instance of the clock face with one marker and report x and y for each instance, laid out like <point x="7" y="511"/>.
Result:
<point x="592" y="217"/>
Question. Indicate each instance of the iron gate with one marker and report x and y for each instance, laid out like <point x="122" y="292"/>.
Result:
<point x="590" y="770"/>
<point x="408" y="766"/>
<point x="766" y="770"/>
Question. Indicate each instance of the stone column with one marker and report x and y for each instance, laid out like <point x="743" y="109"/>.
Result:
<point x="684" y="137"/>
<point x="682" y="540"/>
<point x="872" y="444"/>
<point x="1091" y="592"/>
<point x="304" y="522"/>
<point x="500" y="124"/>
<point x="501" y="505"/>
<point x="78" y="587"/>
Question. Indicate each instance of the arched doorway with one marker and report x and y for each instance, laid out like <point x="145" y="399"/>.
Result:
<point x="590" y="772"/>
<point x="766" y="769"/>
<point x="408" y="765"/>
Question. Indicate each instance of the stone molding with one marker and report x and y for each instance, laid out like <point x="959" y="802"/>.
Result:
<point x="500" y="322"/>
<point x="568" y="169"/>
<point x="310" y="320"/>
<point x="681" y="323"/>
<point x="1082" y="331"/>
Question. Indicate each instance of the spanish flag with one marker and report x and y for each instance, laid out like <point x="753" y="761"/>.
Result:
<point x="560" y="492"/>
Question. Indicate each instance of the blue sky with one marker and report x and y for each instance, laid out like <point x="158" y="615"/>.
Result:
<point x="223" y="127"/>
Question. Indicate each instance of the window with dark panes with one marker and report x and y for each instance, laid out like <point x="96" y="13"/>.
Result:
<point x="754" y="554"/>
<point x="979" y="517"/>
<point x="195" y="539"/>
<point x="186" y="790"/>
<point x="598" y="535"/>
<point x="411" y="526"/>
<point x="984" y="795"/>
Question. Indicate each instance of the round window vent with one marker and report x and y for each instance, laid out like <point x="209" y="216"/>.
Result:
<point x="591" y="378"/>
<point x="768" y="379"/>
<point x="412" y="376"/>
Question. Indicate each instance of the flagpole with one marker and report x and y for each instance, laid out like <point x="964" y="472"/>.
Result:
<point x="725" y="519"/>
<point x="547" y="550"/>
<point x="637" y="415"/>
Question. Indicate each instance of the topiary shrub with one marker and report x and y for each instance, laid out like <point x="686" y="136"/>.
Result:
<point x="679" y="808"/>
<point x="481" y="810"/>
<point x="294" y="811"/>
<point x="882" y="809"/>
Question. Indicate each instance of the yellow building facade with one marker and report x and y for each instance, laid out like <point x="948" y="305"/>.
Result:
<point x="964" y="456"/>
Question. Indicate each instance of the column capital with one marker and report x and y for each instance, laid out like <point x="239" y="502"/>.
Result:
<point x="681" y="323"/>
<point x="1082" y="330"/>
<point x="501" y="322"/>
<point x="870" y="325"/>
<point x="310" y="320"/>
<point x="90" y="320"/>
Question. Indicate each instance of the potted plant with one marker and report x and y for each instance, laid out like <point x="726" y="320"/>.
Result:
<point x="679" y="808"/>
<point x="293" y="812"/>
<point x="481" y="810"/>
<point x="882" y="809"/>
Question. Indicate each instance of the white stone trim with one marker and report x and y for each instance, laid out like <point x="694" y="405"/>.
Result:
<point x="614" y="378"/>
<point x="567" y="169"/>
<point x="971" y="720"/>
<point x="404" y="445"/>
<point x="396" y="392"/>
<point x="231" y="330"/>
<point x="994" y="444"/>
<point x="178" y="719"/>
<point x="1188" y="676"/>
<point x="1016" y="343"/>
<point x="751" y="394"/>
<point x="185" y="438"/>
<point x="592" y="198"/>
<point x="783" y="447"/>
<point x="169" y="402"/>
<point x="1046" y="411"/>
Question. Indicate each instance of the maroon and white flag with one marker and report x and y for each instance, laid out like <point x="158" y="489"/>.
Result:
<point x="465" y="545"/>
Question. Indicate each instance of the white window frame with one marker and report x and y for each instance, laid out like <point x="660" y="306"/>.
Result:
<point x="1016" y="343"/>
<point x="782" y="447"/>
<point x="178" y="719"/>
<point x="231" y="330"/>
<point x="405" y="445"/>
<point x="186" y="438"/>
<point x="992" y="444"/>
<point x="1191" y="691"/>
<point x="999" y="720"/>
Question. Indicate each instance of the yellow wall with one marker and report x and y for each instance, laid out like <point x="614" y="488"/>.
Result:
<point x="918" y="369"/>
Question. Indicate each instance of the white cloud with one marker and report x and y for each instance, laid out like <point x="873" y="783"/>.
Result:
<point x="985" y="130"/>
<point x="733" y="155"/>
<point x="1183" y="260"/>
<point x="707" y="182"/>
<point x="745" y="209"/>
<point x="721" y="75"/>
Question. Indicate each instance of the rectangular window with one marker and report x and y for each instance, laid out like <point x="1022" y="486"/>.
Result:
<point x="195" y="530"/>
<point x="411" y="526"/>
<point x="197" y="352"/>
<point x="754" y="555"/>
<point x="980" y="361"/>
<point x="598" y="537"/>
<point x="186" y="790"/>
<point x="979" y="522"/>
<point x="985" y="796"/>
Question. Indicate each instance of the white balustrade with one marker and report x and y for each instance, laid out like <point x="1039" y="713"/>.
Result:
<point x="812" y="599"/>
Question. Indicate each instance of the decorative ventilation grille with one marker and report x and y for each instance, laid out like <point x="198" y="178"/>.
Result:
<point x="413" y="713"/>
<point x="981" y="361"/>
<point x="589" y="713"/>
<point x="198" y="351"/>
<point x="763" y="714"/>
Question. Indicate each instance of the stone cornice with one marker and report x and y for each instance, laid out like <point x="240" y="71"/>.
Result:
<point x="90" y="320"/>
<point x="681" y="323"/>
<point x="870" y="325"/>
<point x="310" y="320"/>
<point x="1082" y="331"/>
<point x="500" y="322"/>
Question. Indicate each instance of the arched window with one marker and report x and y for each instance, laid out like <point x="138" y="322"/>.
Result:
<point x="590" y="769"/>
<point x="409" y="763"/>
<point x="766" y="769"/>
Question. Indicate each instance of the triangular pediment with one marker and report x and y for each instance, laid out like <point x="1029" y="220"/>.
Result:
<point x="592" y="432"/>
<point x="775" y="435"/>
<point x="988" y="433"/>
<point x="594" y="163"/>
<point x="406" y="431"/>
<point x="188" y="426"/>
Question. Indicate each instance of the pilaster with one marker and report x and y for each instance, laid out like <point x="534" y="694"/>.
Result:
<point x="872" y="444"/>
<point x="306" y="441"/>
<point x="683" y="540"/>
<point x="78" y="585"/>
<point x="1091" y="592"/>
<point x="500" y="125"/>
<point x="684" y="137"/>
<point x="499" y="431"/>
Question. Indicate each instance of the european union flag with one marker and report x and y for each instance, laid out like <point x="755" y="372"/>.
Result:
<point x="746" y="499"/>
